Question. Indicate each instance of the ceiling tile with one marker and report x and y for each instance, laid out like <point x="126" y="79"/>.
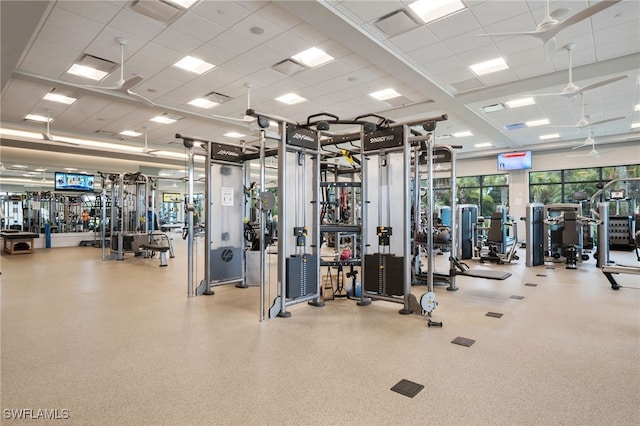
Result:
<point x="464" y="22"/>
<point x="225" y="13"/>
<point x="487" y="13"/>
<point x="197" y="27"/>
<point x="415" y="39"/>
<point x="101" y="12"/>
<point x="131" y="22"/>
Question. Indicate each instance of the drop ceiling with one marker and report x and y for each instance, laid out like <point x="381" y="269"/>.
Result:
<point x="428" y="64"/>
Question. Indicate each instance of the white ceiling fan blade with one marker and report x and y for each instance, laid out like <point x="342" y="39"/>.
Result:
<point x="585" y="13"/>
<point x="600" y="84"/>
<point x="140" y="97"/>
<point x="582" y="125"/>
<point x="607" y="120"/>
<point x="511" y="34"/>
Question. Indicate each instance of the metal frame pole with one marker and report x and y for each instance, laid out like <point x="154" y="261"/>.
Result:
<point x="283" y="220"/>
<point x="190" y="207"/>
<point x="262" y="220"/>
<point x="406" y="231"/>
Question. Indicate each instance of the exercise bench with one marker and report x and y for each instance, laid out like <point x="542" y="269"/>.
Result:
<point x="161" y="249"/>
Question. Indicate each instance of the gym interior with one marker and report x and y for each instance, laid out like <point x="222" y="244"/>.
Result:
<point x="438" y="209"/>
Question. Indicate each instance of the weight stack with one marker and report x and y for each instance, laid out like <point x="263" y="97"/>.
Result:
<point x="384" y="274"/>
<point x="301" y="275"/>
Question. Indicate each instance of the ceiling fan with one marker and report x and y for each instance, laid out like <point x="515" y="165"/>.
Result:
<point x="584" y="119"/>
<point x="146" y="148"/>
<point x="247" y="119"/>
<point x="47" y="135"/>
<point x="124" y="86"/>
<point x="571" y="89"/>
<point x="593" y="153"/>
<point x="547" y="29"/>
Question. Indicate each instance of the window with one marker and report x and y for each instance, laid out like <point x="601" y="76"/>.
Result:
<point x="572" y="185"/>
<point x="488" y="192"/>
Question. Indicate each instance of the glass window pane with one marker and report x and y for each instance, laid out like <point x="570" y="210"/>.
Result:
<point x="494" y="180"/>
<point x="545" y="177"/>
<point x="493" y="197"/>
<point x="468" y="181"/>
<point x="582" y="175"/>
<point x="545" y="193"/>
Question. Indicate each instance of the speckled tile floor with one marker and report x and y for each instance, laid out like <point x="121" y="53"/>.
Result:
<point x="119" y="343"/>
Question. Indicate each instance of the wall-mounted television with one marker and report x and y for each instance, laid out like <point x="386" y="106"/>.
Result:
<point x="514" y="161"/>
<point x="73" y="182"/>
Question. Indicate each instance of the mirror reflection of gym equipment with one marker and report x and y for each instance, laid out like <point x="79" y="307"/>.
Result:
<point x="128" y="218"/>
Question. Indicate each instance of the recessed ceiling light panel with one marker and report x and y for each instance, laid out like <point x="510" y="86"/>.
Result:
<point x="550" y="136"/>
<point x="234" y="135"/>
<point x="487" y="67"/>
<point x="430" y="10"/>
<point x="483" y="145"/>
<point x="385" y="94"/>
<point x="463" y="134"/>
<point x="313" y="57"/>
<point x="534" y="123"/>
<point x="290" y="99"/>
<point x="38" y="118"/>
<point x="517" y="103"/>
<point x="55" y="97"/>
<point x="203" y="103"/>
<point x="131" y="133"/>
<point x="194" y="65"/>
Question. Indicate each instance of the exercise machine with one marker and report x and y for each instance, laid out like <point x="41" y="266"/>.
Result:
<point x="500" y="245"/>
<point x="601" y="211"/>
<point x="536" y="236"/>
<point x="565" y="234"/>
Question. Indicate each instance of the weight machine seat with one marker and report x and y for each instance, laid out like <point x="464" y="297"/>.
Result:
<point x="160" y="249"/>
<point x="494" y="235"/>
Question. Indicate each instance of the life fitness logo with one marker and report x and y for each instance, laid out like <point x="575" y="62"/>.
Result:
<point x="226" y="255"/>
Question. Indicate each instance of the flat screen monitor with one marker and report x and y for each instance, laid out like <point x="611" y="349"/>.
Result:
<point x="514" y="161"/>
<point x="73" y="182"/>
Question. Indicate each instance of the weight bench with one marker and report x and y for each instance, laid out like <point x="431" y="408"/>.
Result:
<point x="18" y="242"/>
<point x="160" y="249"/>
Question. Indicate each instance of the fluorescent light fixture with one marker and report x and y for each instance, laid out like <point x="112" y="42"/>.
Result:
<point x="194" y="65"/>
<point x="483" y="145"/>
<point x="19" y="166"/>
<point x="234" y="135"/>
<point x="39" y="118"/>
<point x="55" y="97"/>
<point x="541" y="122"/>
<point x="163" y="119"/>
<point x="462" y="134"/>
<point x="550" y="136"/>
<point x="385" y="94"/>
<point x="490" y="66"/>
<point x="430" y="10"/>
<point x="40" y="169"/>
<point x="493" y="108"/>
<point x="635" y="125"/>
<point x="517" y="103"/>
<point x="203" y="103"/>
<point x="637" y="108"/>
<point x="443" y="136"/>
<point x="186" y="4"/>
<point x="290" y="99"/>
<point x="87" y="72"/>
<point x="313" y="57"/>
<point x="131" y="133"/>
<point x="20" y="133"/>
<point x="70" y="169"/>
